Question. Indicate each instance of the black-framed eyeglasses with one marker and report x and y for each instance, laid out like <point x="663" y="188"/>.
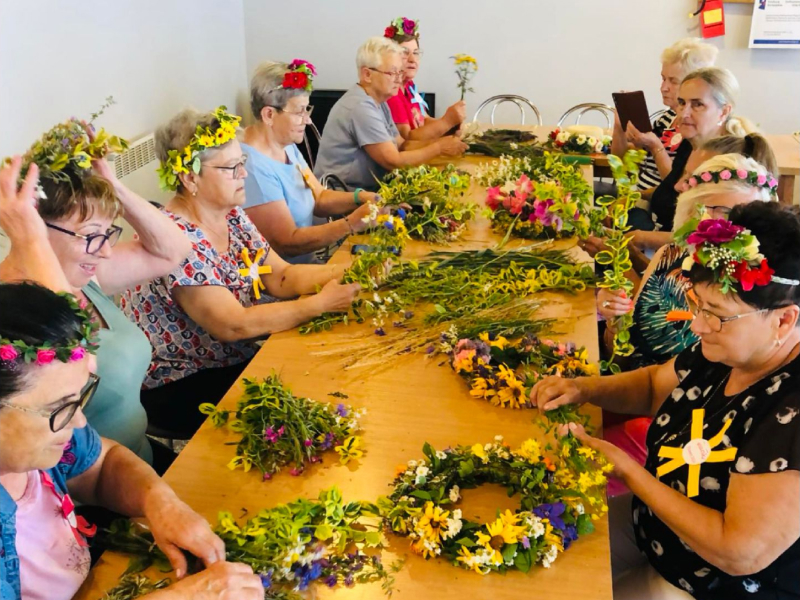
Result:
<point x="304" y="111"/>
<point x="94" y="241"/>
<point x="60" y="417"/>
<point x="715" y="322"/>
<point x="398" y="75"/>
<point x="235" y="170"/>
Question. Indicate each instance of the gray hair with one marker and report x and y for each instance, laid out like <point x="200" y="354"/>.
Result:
<point x="724" y="89"/>
<point x="370" y="54"/>
<point x="690" y="54"/>
<point x="266" y="87"/>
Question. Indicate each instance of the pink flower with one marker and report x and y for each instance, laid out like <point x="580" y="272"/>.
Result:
<point x="706" y="176"/>
<point x="517" y="204"/>
<point x="78" y="353"/>
<point x="725" y="175"/>
<point x="493" y="196"/>
<point x="693" y="182"/>
<point x="297" y="62"/>
<point x="408" y="26"/>
<point x="267" y="476"/>
<point x="308" y="443"/>
<point x="524" y="185"/>
<point x="714" y="231"/>
<point x="8" y="353"/>
<point x="295" y="472"/>
<point x="741" y="173"/>
<point x="315" y="459"/>
<point x="773" y="183"/>
<point x="762" y="179"/>
<point x="45" y="357"/>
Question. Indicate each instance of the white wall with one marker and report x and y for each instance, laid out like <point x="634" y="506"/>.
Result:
<point x="557" y="53"/>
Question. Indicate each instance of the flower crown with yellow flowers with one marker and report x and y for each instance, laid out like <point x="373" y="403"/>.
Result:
<point x="12" y="351"/>
<point x="187" y="160"/>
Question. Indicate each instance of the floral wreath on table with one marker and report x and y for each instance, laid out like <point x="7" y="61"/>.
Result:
<point x="730" y="251"/>
<point x="401" y="29"/>
<point x="299" y="76"/>
<point x="12" y="351"/>
<point x="578" y="143"/>
<point x="187" y="160"/>
<point x="559" y="499"/>
<point x="503" y="371"/>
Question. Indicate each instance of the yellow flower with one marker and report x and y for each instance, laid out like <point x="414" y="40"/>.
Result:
<point x="499" y="342"/>
<point x="227" y="524"/>
<point x="240" y="461"/>
<point x="530" y="451"/>
<point x="350" y="449"/>
<point x="483" y="388"/>
<point x="465" y="556"/>
<point x="432" y="521"/>
<point x="585" y="481"/>
<point x="478" y="451"/>
<point x="586" y="452"/>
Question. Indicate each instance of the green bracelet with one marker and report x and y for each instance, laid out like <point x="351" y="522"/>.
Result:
<point x="355" y="196"/>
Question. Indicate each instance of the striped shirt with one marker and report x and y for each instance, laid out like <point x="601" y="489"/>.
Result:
<point x="649" y="177"/>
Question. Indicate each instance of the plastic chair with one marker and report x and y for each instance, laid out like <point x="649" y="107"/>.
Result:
<point x="586" y="107"/>
<point x="520" y="101"/>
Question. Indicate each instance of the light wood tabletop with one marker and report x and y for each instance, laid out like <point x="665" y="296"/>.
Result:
<point x="411" y="400"/>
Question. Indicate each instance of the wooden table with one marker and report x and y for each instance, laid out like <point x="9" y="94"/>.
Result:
<point x="416" y="400"/>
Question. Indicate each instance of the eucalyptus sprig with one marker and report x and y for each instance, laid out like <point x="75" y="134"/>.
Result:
<point x="616" y="258"/>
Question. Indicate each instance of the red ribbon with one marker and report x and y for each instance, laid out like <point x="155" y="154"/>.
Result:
<point x="81" y="528"/>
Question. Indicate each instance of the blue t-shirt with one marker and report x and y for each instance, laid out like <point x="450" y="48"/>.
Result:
<point x="269" y="180"/>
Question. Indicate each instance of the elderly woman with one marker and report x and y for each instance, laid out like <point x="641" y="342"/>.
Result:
<point x="203" y="317"/>
<point x="715" y="507"/>
<point x="50" y="453"/>
<point x="409" y="109"/>
<point x="680" y="59"/>
<point x="360" y="142"/>
<point x="282" y="194"/>
<point x="78" y="208"/>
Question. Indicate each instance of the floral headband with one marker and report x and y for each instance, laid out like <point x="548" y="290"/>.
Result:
<point x="730" y="251"/>
<point x="17" y="350"/>
<point x="188" y="159"/>
<point x="299" y="76"/>
<point x="750" y="177"/>
<point x="402" y="28"/>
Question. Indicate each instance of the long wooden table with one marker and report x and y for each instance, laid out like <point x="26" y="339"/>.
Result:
<point x="413" y="401"/>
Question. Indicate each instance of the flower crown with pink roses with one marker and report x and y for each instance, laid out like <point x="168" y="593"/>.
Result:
<point x="402" y="30"/>
<point x="754" y="178"/>
<point x="12" y="351"/>
<point x="730" y="251"/>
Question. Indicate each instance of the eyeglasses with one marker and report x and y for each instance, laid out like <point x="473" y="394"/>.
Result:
<point x="715" y="322"/>
<point x="718" y="212"/>
<point x="236" y="169"/>
<point x="94" y="241"/>
<point x="415" y="53"/>
<point x="398" y="75"/>
<point x="60" y="417"/>
<point x="304" y="112"/>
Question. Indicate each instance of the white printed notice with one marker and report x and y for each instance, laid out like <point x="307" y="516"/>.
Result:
<point x="776" y="24"/>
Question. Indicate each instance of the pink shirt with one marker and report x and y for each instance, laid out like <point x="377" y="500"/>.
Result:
<point x="52" y="565"/>
<point x="404" y="111"/>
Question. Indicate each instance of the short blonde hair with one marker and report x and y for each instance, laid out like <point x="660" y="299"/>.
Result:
<point x="724" y="89"/>
<point x="85" y="195"/>
<point x="690" y="54"/>
<point x="371" y="52"/>
<point x="688" y="200"/>
<point x="266" y="87"/>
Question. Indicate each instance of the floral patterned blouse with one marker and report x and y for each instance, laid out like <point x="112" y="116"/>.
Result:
<point x="181" y="347"/>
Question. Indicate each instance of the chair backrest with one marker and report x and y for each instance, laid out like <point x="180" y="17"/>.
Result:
<point x="657" y="115"/>
<point x="520" y="101"/>
<point x="586" y="107"/>
<point x="312" y="158"/>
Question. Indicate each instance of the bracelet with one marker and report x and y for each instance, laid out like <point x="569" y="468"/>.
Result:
<point x="355" y="196"/>
<point x="659" y="150"/>
<point x="350" y="227"/>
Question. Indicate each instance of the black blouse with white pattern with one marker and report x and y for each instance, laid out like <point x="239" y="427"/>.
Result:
<point x="765" y="430"/>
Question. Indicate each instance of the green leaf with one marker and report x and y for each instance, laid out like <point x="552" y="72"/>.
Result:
<point x="421" y="494"/>
<point x="323" y="532"/>
<point x="137" y="564"/>
<point x="604" y="257"/>
<point x="466" y="467"/>
<point x="508" y="552"/>
<point x="196" y="164"/>
<point x="373" y="538"/>
<point x="523" y="561"/>
<point x="585" y="525"/>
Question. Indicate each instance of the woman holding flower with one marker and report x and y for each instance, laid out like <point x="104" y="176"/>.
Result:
<point x="282" y="194"/>
<point x="203" y="317"/>
<point x="79" y="201"/>
<point x="51" y="455"/>
<point x="409" y="109"/>
<point x="724" y="447"/>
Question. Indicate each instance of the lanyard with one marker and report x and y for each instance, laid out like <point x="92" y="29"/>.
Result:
<point x="416" y="98"/>
<point x="80" y="527"/>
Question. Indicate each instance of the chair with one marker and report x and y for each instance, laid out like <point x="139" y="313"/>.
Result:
<point x="657" y="115"/>
<point x="331" y="182"/>
<point x="167" y="435"/>
<point x="307" y="143"/>
<point x="520" y="101"/>
<point x="587" y="107"/>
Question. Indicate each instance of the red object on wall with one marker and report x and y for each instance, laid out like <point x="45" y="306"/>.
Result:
<point x="712" y="19"/>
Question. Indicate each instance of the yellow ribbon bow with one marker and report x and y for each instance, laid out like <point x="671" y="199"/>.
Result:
<point x="697" y="451"/>
<point x="254" y="271"/>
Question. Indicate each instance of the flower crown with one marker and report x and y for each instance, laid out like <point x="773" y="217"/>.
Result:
<point x="17" y="350"/>
<point x="402" y="28"/>
<point x="730" y="251"/>
<point x="188" y="159"/>
<point x="299" y="76"/>
<point x="750" y="177"/>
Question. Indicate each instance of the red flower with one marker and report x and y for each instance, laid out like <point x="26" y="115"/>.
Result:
<point x="295" y="80"/>
<point x="748" y="277"/>
<point x="554" y="133"/>
<point x="390" y="32"/>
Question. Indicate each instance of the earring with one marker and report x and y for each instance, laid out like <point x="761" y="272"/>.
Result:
<point x="194" y="192"/>
<point x="778" y="343"/>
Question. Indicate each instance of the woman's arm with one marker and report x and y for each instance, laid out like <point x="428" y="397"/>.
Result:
<point x="651" y="240"/>
<point x="289" y="281"/>
<point x="436" y="128"/>
<point x="390" y="157"/>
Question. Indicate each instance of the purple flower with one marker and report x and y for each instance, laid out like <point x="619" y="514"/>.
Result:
<point x="330" y="581"/>
<point x="570" y="535"/>
<point x="379" y="331"/>
<point x="714" y="231"/>
<point x="270" y="435"/>
<point x="327" y="444"/>
<point x="401" y="213"/>
<point x="408" y="26"/>
<point x="348" y="581"/>
<point x="526" y="543"/>
<point x="341" y="410"/>
<point x="389" y="225"/>
<point x="266" y="580"/>
<point x="553" y="513"/>
<point x="430" y="349"/>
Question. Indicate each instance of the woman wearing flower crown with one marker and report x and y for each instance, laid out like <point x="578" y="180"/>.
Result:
<point x="50" y="455"/>
<point x="282" y="194"/>
<point x="79" y="200"/>
<point x="409" y="109"/>
<point x="715" y="506"/>
<point x="203" y="318"/>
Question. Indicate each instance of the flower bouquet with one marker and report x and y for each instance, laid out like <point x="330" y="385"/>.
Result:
<point x="279" y="429"/>
<point x="577" y="143"/>
<point x="437" y="213"/>
<point x="466" y="67"/>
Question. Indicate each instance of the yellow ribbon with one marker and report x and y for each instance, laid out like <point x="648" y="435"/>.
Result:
<point x="254" y="270"/>
<point x="677" y="454"/>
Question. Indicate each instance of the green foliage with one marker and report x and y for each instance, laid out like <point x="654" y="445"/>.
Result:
<point x="133" y="586"/>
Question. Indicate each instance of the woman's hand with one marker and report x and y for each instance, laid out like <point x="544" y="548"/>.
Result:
<point x="18" y="215"/>
<point x="177" y="527"/>
<point x="368" y="197"/>
<point x="623" y="463"/>
<point x="456" y="113"/>
<point x="552" y="392"/>
<point x="451" y="146"/>
<point x="612" y="304"/>
<point x="337" y="297"/>
<point x="592" y="245"/>
<point x="649" y="141"/>
<point x="220" y="581"/>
